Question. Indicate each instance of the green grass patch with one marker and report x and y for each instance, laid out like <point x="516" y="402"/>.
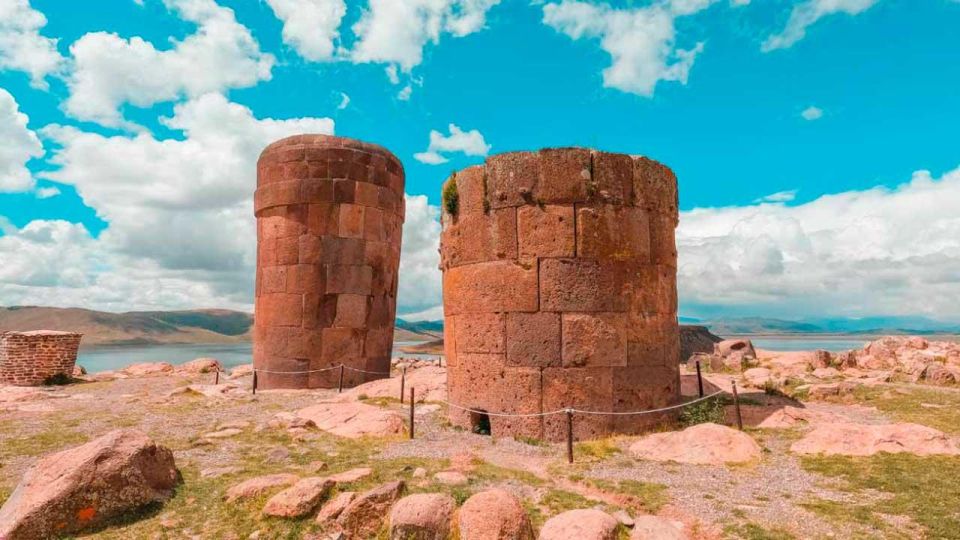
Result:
<point x="597" y="450"/>
<point x="702" y="412"/>
<point x="860" y="515"/>
<point x="55" y="437"/>
<point x="942" y="410"/>
<point x="645" y="496"/>
<point x="753" y="531"/>
<point x="923" y="488"/>
<point x="450" y="197"/>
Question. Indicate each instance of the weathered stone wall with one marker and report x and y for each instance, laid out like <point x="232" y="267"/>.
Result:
<point x="30" y="358"/>
<point x="559" y="290"/>
<point x="329" y="213"/>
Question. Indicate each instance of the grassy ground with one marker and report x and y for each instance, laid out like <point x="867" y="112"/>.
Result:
<point x="936" y="408"/>
<point x="924" y="489"/>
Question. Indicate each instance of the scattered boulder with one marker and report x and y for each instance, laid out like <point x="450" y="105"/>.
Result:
<point x="223" y="433"/>
<point x="430" y="382"/>
<point x="586" y="524"/>
<point x="335" y="506"/>
<point x="353" y="475"/>
<point x="826" y="373"/>
<point x="866" y="440"/>
<point x="702" y="444"/>
<point x="354" y="420"/>
<point x="299" y="499"/>
<point x="364" y="515"/>
<point x="148" y="369"/>
<point x="79" y="371"/>
<point x="73" y="490"/>
<point x="425" y="516"/>
<point x="255" y="487"/>
<point x="735" y="353"/>
<point x="215" y="472"/>
<point x="758" y="377"/>
<point x="200" y="365"/>
<point x="657" y="528"/>
<point x="940" y="374"/>
<point x="825" y="391"/>
<point x="494" y="514"/>
<point x="242" y="370"/>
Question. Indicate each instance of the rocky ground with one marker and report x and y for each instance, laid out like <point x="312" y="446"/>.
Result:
<point x="877" y="458"/>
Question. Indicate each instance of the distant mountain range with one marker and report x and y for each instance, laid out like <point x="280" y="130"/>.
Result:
<point x="163" y="327"/>
<point x="866" y="325"/>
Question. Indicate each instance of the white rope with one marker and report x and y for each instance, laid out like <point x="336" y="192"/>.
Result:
<point x="260" y="370"/>
<point x="365" y="371"/>
<point x="651" y="411"/>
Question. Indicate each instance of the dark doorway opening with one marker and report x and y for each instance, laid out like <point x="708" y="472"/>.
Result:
<point x="480" y="422"/>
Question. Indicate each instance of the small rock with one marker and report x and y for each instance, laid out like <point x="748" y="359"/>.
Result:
<point x="278" y="454"/>
<point x="352" y="475"/>
<point x="299" y="499"/>
<point x="317" y="466"/>
<point x="451" y="478"/>
<point x="494" y="514"/>
<point x="586" y="524"/>
<point x="702" y="444"/>
<point x="79" y="371"/>
<point x="259" y="485"/>
<point x="624" y="518"/>
<point x="419" y="472"/>
<point x="223" y="433"/>
<point x="425" y="516"/>
<point x="364" y="515"/>
<point x="335" y="506"/>
<point x="657" y="528"/>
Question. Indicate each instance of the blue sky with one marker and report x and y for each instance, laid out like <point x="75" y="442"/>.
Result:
<point x="814" y="140"/>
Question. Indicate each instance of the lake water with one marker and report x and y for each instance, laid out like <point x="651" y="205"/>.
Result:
<point x="230" y="355"/>
<point x="786" y="343"/>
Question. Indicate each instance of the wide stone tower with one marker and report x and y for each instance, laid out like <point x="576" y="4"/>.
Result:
<point x="329" y="213"/>
<point x="559" y="290"/>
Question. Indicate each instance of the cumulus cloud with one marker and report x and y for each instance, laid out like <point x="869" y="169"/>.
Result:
<point x="812" y="113"/>
<point x="807" y="13"/>
<point x="890" y="251"/>
<point x="110" y="71"/>
<point x="420" y="284"/>
<point x="778" y="197"/>
<point x="22" y="48"/>
<point x="470" y="143"/>
<point x="640" y="41"/>
<point x="179" y="205"/>
<point x="396" y="31"/>
<point x="19" y="145"/>
<point x="48" y="192"/>
<point x="310" y="26"/>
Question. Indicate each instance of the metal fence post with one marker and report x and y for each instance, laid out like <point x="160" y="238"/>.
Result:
<point x="569" y="436"/>
<point x="254" y="382"/>
<point x="340" y="384"/>
<point x="699" y="380"/>
<point x="403" y="381"/>
<point x="216" y="379"/>
<point x="736" y="406"/>
<point x="412" y="401"/>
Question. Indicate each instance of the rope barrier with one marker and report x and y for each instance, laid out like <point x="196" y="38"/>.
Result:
<point x="579" y="411"/>
<point x="331" y="368"/>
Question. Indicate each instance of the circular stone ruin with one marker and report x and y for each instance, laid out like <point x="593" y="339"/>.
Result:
<point x="329" y="213"/>
<point x="559" y="290"/>
<point x="37" y="357"/>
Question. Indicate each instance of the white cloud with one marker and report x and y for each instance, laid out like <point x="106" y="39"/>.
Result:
<point x="878" y="251"/>
<point x="470" y="143"/>
<point x="396" y="31"/>
<point x="179" y="207"/>
<point x="807" y="13"/>
<point x="19" y="144"/>
<point x="641" y="41"/>
<point x="344" y="101"/>
<point x="110" y="71"/>
<point x="48" y="192"/>
<point x="778" y="197"/>
<point x="812" y="113"/>
<point x="310" y="26"/>
<point x="420" y="284"/>
<point x="22" y="48"/>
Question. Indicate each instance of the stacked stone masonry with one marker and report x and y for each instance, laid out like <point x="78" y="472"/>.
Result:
<point x="329" y="213"/>
<point x="34" y="358"/>
<point x="559" y="290"/>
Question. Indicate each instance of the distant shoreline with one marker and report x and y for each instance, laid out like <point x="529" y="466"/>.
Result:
<point x="817" y="336"/>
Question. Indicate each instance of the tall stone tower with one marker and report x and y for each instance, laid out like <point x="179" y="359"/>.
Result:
<point x="559" y="290"/>
<point x="329" y="213"/>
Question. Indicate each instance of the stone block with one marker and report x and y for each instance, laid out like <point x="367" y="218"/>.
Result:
<point x="533" y="339"/>
<point x="480" y="333"/>
<point x="512" y="178"/>
<point x="274" y="279"/>
<point x="612" y="178"/>
<point x="498" y="286"/>
<point x="580" y="285"/>
<point x="594" y="339"/>
<point x="351" y="221"/>
<point x="655" y="186"/>
<point x="663" y="243"/>
<point x="351" y="311"/>
<point x="653" y="340"/>
<point x="304" y="278"/>
<point x="281" y="309"/>
<point x="471" y="190"/>
<point x="580" y="388"/>
<point x="564" y="175"/>
<point x="349" y="279"/>
<point x="484" y="382"/>
<point x="546" y="231"/>
<point x="342" y="345"/>
<point x="323" y="219"/>
<point x="616" y="233"/>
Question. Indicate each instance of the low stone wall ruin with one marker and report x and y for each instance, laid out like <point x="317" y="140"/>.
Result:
<point x="33" y="358"/>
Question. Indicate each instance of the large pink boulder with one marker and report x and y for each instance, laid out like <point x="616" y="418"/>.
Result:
<point x="866" y="440"/>
<point x="364" y="515"/>
<point x="299" y="499"/>
<point x="424" y="516"/>
<point x="494" y="514"/>
<point x="703" y="444"/>
<point x="254" y="487"/>
<point x="73" y="490"/>
<point x="200" y="365"/>
<point x="354" y="420"/>
<point x="585" y="524"/>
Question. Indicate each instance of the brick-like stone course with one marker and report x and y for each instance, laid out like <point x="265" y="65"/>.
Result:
<point x="559" y="290"/>
<point x="330" y="212"/>
<point x="31" y="358"/>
